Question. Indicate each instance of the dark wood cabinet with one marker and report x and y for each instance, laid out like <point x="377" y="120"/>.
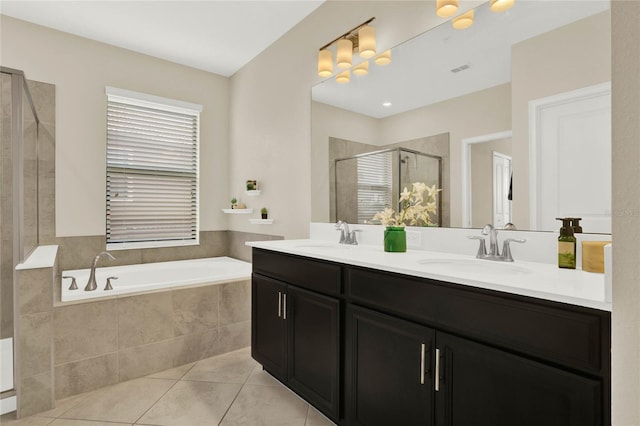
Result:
<point x="369" y="348"/>
<point x="314" y="348"/>
<point x="268" y="325"/>
<point x="296" y="327"/>
<point x="479" y="385"/>
<point x="389" y="367"/>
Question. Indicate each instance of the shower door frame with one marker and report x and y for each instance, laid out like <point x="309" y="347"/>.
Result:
<point x="382" y="151"/>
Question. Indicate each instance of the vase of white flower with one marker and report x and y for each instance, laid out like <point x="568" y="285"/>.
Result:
<point x="395" y="239"/>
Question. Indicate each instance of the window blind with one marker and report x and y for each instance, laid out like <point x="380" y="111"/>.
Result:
<point x="374" y="185"/>
<point x="152" y="173"/>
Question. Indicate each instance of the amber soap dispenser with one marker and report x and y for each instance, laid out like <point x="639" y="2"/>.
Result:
<point x="566" y="245"/>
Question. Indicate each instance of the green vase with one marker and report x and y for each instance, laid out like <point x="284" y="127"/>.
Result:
<point x="395" y="239"/>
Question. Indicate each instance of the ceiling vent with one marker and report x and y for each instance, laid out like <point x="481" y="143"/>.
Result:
<point x="460" y="68"/>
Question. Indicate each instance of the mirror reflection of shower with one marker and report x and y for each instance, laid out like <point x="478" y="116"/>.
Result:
<point x="368" y="183"/>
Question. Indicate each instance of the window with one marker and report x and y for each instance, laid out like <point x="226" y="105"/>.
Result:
<point x="152" y="171"/>
<point x="374" y="185"/>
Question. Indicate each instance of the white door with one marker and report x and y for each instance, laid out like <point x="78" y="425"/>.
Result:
<point x="573" y="155"/>
<point x="501" y="184"/>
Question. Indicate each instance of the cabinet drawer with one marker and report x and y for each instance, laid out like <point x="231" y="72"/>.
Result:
<point x="572" y="336"/>
<point x="323" y="277"/>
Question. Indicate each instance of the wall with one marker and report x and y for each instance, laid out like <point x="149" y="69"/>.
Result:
<point x="80" y="69"/>
<point x="625" y="353"/>
<point x="482" y="179"/>
<point x="580" y="54"/>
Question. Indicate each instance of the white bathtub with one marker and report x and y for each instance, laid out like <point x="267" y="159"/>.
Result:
<point x="155" y="276"/>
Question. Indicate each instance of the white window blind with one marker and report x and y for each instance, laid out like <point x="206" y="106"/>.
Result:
<point x="152" y="171"/>
<point x="374" y="185"/>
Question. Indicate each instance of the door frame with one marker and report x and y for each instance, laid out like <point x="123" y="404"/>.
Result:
<point x="536" y="108"/>
<point x="466" y="170"/>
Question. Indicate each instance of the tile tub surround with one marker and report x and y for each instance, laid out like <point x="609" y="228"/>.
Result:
<point x="105" y="342"/>
<point x="33" y="320"/>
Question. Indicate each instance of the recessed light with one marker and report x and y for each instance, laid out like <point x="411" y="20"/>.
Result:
<point x="386" y="104"/>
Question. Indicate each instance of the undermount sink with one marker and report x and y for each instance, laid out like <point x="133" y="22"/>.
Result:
<point x="473" y="266"/>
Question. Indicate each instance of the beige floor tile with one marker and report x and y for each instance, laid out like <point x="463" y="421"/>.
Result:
<point x="173" y="373"/>
<point x="63" y="405"/>
<point x="261" y="377"/>
<point x="9" y="419"/>
<point x="70" y="422"/>
<point x="316" y="418"/>
<point x="232" y="367"/>
<point x="192" y="404"/>
<point x="124" y="402"/>
<point x="258" y="405"/>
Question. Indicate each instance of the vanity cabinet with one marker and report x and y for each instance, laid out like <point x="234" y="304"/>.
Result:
<point x="368" y="347"/>
<point x="296" y="330"/>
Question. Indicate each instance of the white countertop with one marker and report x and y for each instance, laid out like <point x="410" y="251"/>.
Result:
<point x="540" y="280"/>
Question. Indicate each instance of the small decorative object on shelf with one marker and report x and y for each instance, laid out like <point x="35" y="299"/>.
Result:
<point x="234" y="203"/>
<point x="264" y="212"/>
<point x="252" y="185"/>
<point x="417" y="208"/>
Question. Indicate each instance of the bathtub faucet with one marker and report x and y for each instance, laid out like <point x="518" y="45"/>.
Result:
<point x="92" y="285"/>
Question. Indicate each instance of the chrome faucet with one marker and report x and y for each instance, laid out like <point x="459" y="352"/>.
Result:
<point x="91" y="284"/>
<point x="494" y="252"/>
<point x="346" y="236"/>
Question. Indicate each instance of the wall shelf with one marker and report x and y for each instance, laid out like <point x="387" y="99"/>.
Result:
<point x="261" y="221"/>
<point x="253" y="193"/>
<point x="238" y="211"/>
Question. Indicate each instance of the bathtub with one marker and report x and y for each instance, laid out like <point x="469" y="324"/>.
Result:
<point x="149" y="277"/>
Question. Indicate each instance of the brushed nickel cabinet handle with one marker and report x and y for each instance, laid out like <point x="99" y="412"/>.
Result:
<point x="437" y="374"/>
<point x="284" y="303"/>
<point x="422" y="356"/>
<point x="279" y="304"/>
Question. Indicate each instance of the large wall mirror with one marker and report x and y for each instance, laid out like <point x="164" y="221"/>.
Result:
<point x="515" y="109"/>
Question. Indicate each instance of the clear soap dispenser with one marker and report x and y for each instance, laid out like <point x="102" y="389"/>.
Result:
<point x="566" y="245"/>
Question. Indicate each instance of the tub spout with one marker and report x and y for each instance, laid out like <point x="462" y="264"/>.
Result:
<point x="91" y="284"/>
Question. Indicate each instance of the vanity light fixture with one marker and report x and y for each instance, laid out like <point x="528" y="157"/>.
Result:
<point x="361" y="39"/>
<point x="446" y="8"/>
<point x="463" y="21"/>
<point x="343" y="77"/>
<point x="362" y="68"/>
<point x="501" y="5"/>
<point x="384" y="58"/>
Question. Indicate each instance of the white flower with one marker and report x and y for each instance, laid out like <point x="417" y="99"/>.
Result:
<point x="417" y="207"/>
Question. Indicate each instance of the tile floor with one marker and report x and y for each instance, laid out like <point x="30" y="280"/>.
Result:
<point x="226" y="390"/>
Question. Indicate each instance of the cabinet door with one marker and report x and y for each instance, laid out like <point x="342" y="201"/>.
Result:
<point x="268" y="324"/>
<point x="314" y="348"/>
<point x="480" y="385"/>
<point x="388" y="370"/>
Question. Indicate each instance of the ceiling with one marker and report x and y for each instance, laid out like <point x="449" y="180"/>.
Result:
<point x="216" y="36"/>
<point x="420" y="70"/>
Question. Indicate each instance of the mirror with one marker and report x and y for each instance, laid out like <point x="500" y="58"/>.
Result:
<point x="523" y="98"/>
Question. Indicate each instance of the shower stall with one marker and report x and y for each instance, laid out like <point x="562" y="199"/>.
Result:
<point x="19" y="235"/>
<point x="370" y="182"/>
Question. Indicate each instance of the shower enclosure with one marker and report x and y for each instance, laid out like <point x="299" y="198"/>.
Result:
<point x="19" y="128"/>
<point x="368" y="183"/>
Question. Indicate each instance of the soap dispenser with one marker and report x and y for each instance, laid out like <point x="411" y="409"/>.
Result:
<point x="566" y="245"/>
<point x="575" y="224"/>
